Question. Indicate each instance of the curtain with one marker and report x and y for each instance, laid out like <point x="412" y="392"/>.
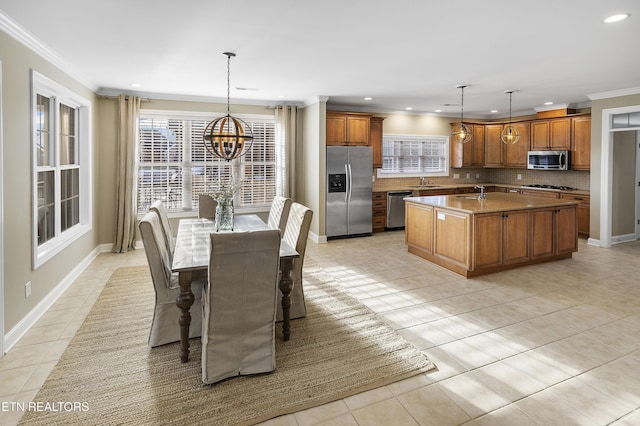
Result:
<point x="126" y="173"/>
<point x="286" y="141"/>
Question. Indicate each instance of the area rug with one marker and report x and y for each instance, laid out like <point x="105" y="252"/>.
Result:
<point x="108" y="375"/>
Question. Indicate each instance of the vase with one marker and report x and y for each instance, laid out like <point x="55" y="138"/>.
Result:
<point x="224" y="215"/>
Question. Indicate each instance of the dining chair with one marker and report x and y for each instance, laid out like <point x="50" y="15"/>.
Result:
<point x="164" y="325"/>
<point x="279" y="213"/>
<point x="158" y="207"/>
<point x="206" y="206"/>
<point x="296" y="234"/>
<point x="239" y="304"/>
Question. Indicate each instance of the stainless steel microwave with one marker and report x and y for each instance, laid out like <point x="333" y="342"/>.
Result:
<point x="548" y="160"/>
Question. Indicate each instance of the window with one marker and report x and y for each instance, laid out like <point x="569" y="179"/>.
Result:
<point x="408" y="155"/>
<point x="175" y="167"/>
<point x="61" y="160"/>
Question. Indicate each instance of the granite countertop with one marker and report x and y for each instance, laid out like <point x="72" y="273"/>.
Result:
<point x="471" y="185"/>
<point x="495" y="202"/>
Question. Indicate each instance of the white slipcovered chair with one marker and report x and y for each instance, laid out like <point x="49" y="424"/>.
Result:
<point x="164" y="326"/>
<point x="279" y="213"/>
<point x="239" y="304"/>
<point x="207" y="206"/>
<point x="158" y="207"/>
<point x="296" y="234"/>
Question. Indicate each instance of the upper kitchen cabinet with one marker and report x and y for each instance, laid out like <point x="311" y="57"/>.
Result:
<point x="515" y="155"/>
<point x="470" y="154"/>
<point x="375" y="140"/>
<point x="493" y="146"/>
<point x="552" y="134"/>
<point x="348" y="129"/>
<point x="581" y="143"/>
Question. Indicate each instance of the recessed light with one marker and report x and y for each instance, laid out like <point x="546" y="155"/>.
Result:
<point x="368" y="98"/>
<point x="280" y="96"/>
<point x="136" y="85"/>
<point x="438" y="110"/>
<point x="616" y="18"/>
<point x="548" y="103"/>
<point x="409" y="108"/>
<point x="494" y="110"/>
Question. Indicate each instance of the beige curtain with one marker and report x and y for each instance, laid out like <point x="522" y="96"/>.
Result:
<point x="126" y="173"/>
<point x="286" y="141"/>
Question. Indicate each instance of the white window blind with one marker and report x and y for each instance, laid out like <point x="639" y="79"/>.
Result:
<point x="415" y="154"/>
<point x="175" y="167"/>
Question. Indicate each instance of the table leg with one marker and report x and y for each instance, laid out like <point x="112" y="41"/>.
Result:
<point x="286" y="285"/>
<point x="184" y="301"/>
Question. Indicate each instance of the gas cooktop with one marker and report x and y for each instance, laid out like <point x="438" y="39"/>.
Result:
<point x="559" y="187"/>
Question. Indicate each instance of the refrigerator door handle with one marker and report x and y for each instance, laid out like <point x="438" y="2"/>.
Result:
<point x="350" y="181"/>
<point x="348" y="191"/>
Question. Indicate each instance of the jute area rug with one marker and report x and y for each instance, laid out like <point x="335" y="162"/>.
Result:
<point x="341" y="348"/>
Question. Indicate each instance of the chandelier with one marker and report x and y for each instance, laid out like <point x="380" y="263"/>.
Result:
<point x="463" y="133"/>
<point x="509" y="134"/>
<point x="226" y="137"/>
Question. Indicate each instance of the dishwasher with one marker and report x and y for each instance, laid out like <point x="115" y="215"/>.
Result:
<point x="395" y="208"/>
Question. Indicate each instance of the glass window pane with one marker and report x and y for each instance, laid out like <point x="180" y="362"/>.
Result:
<point x="42" y="142"/>
<point x="46" y="206"/>
<point x="69" y="199"/>
<point x="67" y="135"/>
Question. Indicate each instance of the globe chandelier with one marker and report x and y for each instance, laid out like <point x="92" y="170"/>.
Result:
<point x="463" y="133"/>
<point x="509" y="134"/>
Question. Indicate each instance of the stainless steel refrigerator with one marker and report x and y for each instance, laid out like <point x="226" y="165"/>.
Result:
<point x="349" y="186"/>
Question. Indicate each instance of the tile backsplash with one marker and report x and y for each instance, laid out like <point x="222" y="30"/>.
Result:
<point x="574" y="179"/>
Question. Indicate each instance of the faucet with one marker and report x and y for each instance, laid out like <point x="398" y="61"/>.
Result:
<point x="482" y="195"/>
<point x="422" y="181"/>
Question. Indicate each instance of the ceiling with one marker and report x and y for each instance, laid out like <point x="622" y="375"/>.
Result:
<point x="402" y="53"/>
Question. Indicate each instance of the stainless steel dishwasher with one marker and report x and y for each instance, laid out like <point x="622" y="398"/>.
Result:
<point x="395" y="208"/>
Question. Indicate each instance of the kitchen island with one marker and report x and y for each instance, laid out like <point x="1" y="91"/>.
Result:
<point x="472" y="236"/>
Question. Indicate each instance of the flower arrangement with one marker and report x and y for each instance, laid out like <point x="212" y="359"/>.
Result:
<point x="226" y="190"/>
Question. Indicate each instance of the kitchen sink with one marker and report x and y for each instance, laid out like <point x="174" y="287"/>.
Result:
<point x="425" y="186"/>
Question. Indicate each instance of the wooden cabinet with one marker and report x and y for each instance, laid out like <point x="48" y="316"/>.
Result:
<point x="493" y="145"/>
<point x="379" y="211"/>
<point x="501" y="238"/>
<point x="539" y="193"/>
<point x="581" y="143"/>
<point x="553" y="231"/>
<point x="347" y="129"/>
<point x="452" y="237"/>
<point x="420" y="218"/>
<point x="470" y="154"/>
<point x="375" y="140"/>
<point x="551" y="134"/>
<point x="515" y="155"/>
<point x="584" y="211"/>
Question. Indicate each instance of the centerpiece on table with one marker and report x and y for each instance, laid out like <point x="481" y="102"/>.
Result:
<point x="224" y="198"/>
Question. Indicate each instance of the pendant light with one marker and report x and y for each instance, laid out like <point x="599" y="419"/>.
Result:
<point x="510" y="134"/>
<point x="226" y="137"/>
<point x="463" y="134"/>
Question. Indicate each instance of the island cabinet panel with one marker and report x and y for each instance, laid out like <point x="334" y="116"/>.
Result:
<point x="501" y="238"/>
<point x="554" y="231"/>
<point x="420" y="218"/>
<point x="452" y="237"/>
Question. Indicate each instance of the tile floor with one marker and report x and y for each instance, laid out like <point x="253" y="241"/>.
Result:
<point x="549" y="344"/>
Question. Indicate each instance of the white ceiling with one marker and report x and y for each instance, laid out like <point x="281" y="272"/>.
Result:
<point x="402" y="53"/>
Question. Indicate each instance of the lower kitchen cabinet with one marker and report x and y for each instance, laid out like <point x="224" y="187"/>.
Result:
<point x="379" y="213"/>
<point x="553" y="231"/>
<point x="584" y="212"/>
<point x="421" y="233"/>
<point x="501" y="238"/>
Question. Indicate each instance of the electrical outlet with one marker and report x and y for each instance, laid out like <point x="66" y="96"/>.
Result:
<point x="27" y="289"/>
<point x="477" y="175"/>
<point x="456" y="175"/>
<point x="519" y="176"/>
<point x="468" y="175"/>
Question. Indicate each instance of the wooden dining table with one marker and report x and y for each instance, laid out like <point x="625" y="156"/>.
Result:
<point x="191" y="262"/>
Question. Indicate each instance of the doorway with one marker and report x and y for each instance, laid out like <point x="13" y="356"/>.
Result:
<point x="1" y="225"/>
<point x="609" y="133"/>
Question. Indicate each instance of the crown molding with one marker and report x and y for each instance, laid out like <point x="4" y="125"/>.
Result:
<point x="614" y="93"/>
<point x="20" y="34"/>
<point x="314" y="100"/>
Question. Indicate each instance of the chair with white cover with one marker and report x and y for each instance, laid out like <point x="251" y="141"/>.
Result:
<point x="207" y="206"/>
<point x="164" y="326"/>
<point x="158" y="207"/>
<point x="279" y="213"/>
<point x="239" y="304"/>
<point x="296" y="234"/>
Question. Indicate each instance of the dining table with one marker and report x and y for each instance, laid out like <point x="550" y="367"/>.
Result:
<point x="191" y="262"/>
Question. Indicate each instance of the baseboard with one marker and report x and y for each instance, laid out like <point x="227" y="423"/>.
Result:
<point x="593" y="242"/>
<point x="20" y="329"/>
<point x="316" y="238"/>
<point x="623" y="238"/>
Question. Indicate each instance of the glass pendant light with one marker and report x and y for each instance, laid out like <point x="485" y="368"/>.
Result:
<point x="510" y="134"/>
<point x="463" y="134"/>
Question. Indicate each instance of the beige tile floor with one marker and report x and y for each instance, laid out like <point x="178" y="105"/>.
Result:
<point x="549" y="344"/>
